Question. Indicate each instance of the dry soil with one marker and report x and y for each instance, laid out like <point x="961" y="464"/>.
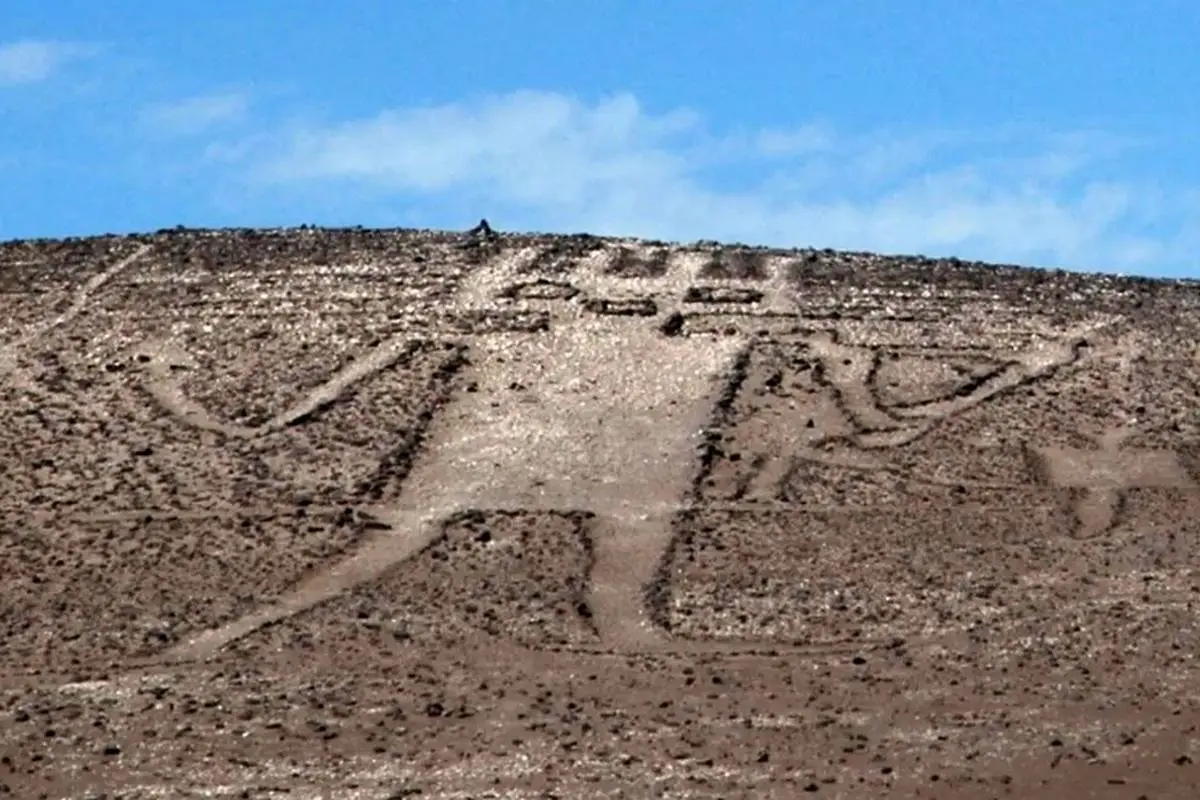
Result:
<point x="382" y="514"/>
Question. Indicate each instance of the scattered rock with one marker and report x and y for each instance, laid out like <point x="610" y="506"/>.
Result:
<point x="672" y="324"/>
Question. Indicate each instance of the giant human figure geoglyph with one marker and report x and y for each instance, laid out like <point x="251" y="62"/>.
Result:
<point x="600" y="412"/>
<point x="604" y="412"/>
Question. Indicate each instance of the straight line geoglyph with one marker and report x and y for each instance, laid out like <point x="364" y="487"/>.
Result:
<point x="10" y="352"/>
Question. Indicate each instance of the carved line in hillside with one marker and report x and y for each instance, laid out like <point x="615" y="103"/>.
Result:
<point x="1019" y="371"/>
<point x="406" y="535"/>
<point x="625" y="558"/>
<point x="386" y="546"/>
<point x="397" y="535"/>
<point x="1097" y="511"/>
<point x="905" y="407"/>
<point x="368" y="518"/>
<point x="384" y="551"/>
<point x="392" y="536"/>
<point x="618" y="615"/>
<point x="621" y="609"/>
<point x="851" y="370"/>
<point x="1099" y="479"/>
<point x="610" y="263"/>
<point x="387" y="550"/>
<point x="397" y="462"/>
<point x="737" y="264"/>
<point x="629" y="558"/>
<point x="539" y="289"/>
<point x="140" y="670"/>
<point x="617" y="611"/>
<point x="83" y="297"/>
<point x="848" y="371"/>
<point x="620" y="620"/>
<point x="162" y="360"/>
<point x="1097" y="506"/>
<point x="441" y="496"/>
<point x="777" y="489"/>
<point x="380" y="358"/>
<point x="665" y="647"/>
<point x="258" y="511"/>
<point x="719" y="295"/>
<point x="630" y="263"/>
<point x="650" y="275"/>
<point x="844" y="369"/>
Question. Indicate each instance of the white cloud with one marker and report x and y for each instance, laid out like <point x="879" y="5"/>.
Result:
<point x="552" y="162"/>
<point x="797" y="141"/>
<point x="528" y="147"/>
<point x="33" y="61"/>
<point x="196" y="114"/>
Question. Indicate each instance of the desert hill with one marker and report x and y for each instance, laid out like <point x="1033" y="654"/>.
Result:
<point x="363" y="513"/>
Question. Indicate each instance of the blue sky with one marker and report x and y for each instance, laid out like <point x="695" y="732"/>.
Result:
<point x="1049" y="132"/>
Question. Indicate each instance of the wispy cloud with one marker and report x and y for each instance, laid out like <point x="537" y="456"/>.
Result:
<point x="553" y="162"/>
<point x="33" y="61"/>
<point x="528" y="147"/>
<point x="197" y="114"/>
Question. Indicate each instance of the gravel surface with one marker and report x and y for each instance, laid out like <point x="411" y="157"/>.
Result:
<point x="383" y="514"/>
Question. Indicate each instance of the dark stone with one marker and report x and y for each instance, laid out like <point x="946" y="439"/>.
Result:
<point x="672" y="325"/>
<point x="634" y="307"/>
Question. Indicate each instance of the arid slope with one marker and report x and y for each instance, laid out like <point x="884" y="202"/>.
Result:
<point x="372" y="514"/>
